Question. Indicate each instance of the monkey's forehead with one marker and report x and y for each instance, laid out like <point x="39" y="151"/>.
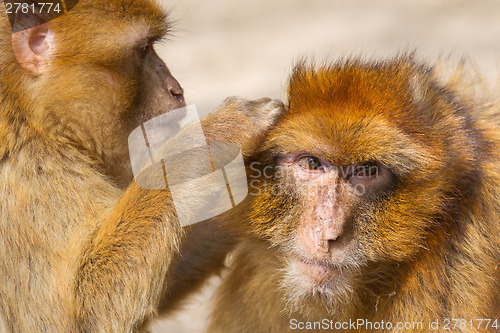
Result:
<point x="366" y="86"/>
<point x="349" y="140"/>
<point x="126" y="8"/>
<point x="118" y="15"/>
<point x="357" y="98"/>
<point x="392" y="112"/>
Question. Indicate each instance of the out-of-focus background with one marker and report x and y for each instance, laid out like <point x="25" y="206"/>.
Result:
<point x="221" y="48"/>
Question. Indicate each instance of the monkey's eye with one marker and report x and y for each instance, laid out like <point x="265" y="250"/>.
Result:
<point x="366" y="169"/>
<point x="310" y="163"/>
<point x="144" y="50"/>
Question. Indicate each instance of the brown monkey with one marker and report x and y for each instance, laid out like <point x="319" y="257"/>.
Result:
<point x="376" y="199"/>
<point x="82" y="247"/>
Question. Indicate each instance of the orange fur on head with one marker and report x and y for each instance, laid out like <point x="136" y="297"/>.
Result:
<point x="421" y="243"/>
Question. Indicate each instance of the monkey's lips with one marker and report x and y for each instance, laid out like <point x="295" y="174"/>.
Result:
<point x="316" y="271"/>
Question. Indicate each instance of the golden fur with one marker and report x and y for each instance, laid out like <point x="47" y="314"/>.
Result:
<point x="428" y="248"/>
<point x="82" y="247"/>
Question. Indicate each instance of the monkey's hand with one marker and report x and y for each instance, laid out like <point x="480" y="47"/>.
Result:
<point x="243" y="122"/>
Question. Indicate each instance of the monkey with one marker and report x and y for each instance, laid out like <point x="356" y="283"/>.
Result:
<point x="83" y="248"/>
<point x="374" y="207"/>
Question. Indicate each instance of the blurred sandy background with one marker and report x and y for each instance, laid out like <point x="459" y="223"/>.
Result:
<point x="221" y="48"/>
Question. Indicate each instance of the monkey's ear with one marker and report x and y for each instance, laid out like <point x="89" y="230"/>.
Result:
<point x="33" y="47"/>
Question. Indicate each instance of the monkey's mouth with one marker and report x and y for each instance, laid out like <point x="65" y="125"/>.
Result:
<point x="317" y="271"/>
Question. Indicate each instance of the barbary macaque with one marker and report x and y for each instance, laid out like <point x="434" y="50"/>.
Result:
<point x="375" y="201"/>
<point x="82" y="247"/>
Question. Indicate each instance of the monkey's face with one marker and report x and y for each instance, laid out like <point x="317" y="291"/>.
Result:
<point x="320" y="211"/>
<point x="355" y="178"/>
<point x="103" y="78"/>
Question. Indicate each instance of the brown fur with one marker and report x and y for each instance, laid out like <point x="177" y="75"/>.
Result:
<point x="82" y="247"/>
<point x="427" y="245"/>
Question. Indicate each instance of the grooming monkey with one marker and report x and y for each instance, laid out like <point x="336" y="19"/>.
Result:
<point x="376" y="197"/>
<point x="82" y="247"/>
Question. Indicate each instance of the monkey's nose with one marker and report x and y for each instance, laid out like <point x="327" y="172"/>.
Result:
<point x="175" y="89"/>
<point x="178" y="93"/>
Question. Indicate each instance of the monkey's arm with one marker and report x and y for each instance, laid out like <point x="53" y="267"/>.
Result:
<point x="203" y="252"/>
<point x="125" y="267"/>
<point x="205" y="245"/>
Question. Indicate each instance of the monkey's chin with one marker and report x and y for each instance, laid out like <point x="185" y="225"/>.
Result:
<point x="310" y="285"/>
